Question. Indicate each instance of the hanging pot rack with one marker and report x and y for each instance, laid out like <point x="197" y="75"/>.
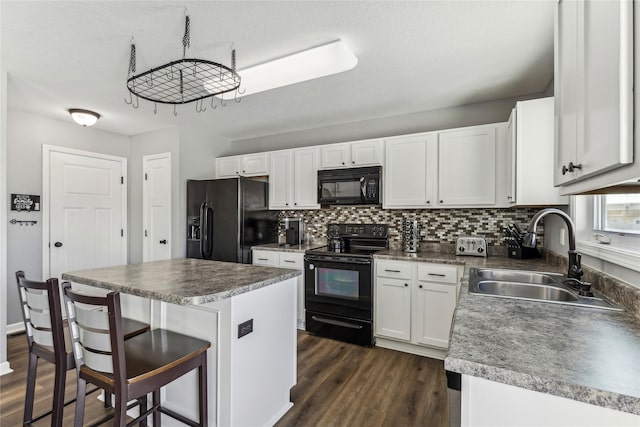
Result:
<point x="184" y="80"/>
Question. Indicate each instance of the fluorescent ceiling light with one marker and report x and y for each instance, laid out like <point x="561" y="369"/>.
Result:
<point x="321" y="61"/>
<point x="84" y="117"/>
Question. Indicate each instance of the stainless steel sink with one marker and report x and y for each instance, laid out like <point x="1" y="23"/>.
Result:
<point x="534" y="286"/>
<point x="519" y="276"/>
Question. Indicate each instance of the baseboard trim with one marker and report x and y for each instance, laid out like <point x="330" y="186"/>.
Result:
<point x="15" y="328"/>
<point x="5" y="368"/>
<point x="434" y="353"/>
<point x="280" y="414"/>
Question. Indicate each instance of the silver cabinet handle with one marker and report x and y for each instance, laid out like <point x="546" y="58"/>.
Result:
<point x="437" y="274"/>
<point x="392" y="271"/>
<point x="263" y="259"/>
<point x="288" y="260"/>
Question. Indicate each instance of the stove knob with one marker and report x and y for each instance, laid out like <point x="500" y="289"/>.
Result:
<point x="461" y="248"/>
<point x="480" y="250"/>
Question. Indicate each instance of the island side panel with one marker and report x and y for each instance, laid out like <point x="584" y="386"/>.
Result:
<point x="181" y="395"/>
<point x="262" y="363"/>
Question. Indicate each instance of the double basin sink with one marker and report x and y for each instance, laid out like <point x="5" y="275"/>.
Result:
<point x="534" y="286"/>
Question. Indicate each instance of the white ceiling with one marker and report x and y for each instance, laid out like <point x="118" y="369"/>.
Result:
<point x="412" y="56"/>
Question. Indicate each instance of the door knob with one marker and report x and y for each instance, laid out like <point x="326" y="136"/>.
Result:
<point x="57" y="244"/>
<point x="163" y="241"/>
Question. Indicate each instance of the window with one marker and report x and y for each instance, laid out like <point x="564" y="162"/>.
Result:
<point x="617" y="213"/>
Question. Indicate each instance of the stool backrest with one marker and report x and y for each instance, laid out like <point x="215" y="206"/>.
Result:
<point x="42" y="313"/>
<point x="95" y="325"/>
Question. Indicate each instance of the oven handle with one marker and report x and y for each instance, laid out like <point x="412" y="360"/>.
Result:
<point x="342" y="260"/>
<point x="336" y="322"/>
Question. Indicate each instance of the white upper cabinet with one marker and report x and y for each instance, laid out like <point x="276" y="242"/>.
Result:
<point x="530" y="155"/>
<point x="352" y="154"/>
<point x="246" y="165"/>
<point x="467" y="166"/>
<point x="454" y="168"/>
<point x="227" y="167"/>
<point x="410" y="165"/>
<point x="293" y="179"/>
<point x="594" y="88"/>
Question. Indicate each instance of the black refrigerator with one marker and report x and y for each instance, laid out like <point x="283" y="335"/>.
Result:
<point x="226" y="217"/>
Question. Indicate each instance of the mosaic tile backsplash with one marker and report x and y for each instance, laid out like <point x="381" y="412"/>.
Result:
<point x="439" y="227"/>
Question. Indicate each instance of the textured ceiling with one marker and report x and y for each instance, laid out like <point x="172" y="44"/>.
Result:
<point x="412" y="56"/>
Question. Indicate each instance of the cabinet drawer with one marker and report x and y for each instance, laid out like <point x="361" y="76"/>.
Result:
<point x="266" y="258"/>
<point x="393" y="269"/>
<point x="438" y="273"/>
<point x="292" y="260"/>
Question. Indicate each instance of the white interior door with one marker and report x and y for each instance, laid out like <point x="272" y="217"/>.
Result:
<point x="156" y="208"/>
<point x="86" y="225"/>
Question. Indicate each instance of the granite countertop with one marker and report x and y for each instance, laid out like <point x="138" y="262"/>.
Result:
<point x="584" y="354"/>
<point x="184" y="281"/>
<point x="284" y="248"/>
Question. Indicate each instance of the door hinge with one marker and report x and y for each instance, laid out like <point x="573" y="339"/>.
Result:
<point x="121" y="232"/>
<point x="145" y="177"/>
<point x="122" y="180"/>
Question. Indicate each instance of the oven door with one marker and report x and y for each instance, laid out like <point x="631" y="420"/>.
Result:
<point x="341" y="286"/>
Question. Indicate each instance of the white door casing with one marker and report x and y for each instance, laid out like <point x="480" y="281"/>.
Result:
<point x="84" y="203"/>
<point x="156" y="207"/>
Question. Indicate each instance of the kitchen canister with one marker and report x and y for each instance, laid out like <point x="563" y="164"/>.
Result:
<point x="411" y="235"/>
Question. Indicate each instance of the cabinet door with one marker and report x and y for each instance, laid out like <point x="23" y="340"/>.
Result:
<point x="366" y="153"/>
<point x="265" y="258"/>
<point x="393" y="308"/>
<point x="567" y="95"/>
<point x="467" y="166"/>
<point x="305" y="181"/>
<point x="433" y="307"/>
<point x="255" y="164"/>
<point x="335" y="156"/>
<point x="280" y="180"/>
<point x="295" y="261"/>
<point x="511" y="157"/>
<point x="407" y="174"/>
<point x="607" y="64"/>
<point x="227" y="167"/>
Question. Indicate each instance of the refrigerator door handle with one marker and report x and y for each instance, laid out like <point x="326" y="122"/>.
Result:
<point x="206" y="237"/>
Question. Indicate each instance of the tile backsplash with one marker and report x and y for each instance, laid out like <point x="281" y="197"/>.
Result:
<point x="437" y="226"/>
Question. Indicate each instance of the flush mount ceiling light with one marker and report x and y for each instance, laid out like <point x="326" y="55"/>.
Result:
<point x="84" y="117"/>
<point x="184" y="80"/>
<point x="331" y="58"/>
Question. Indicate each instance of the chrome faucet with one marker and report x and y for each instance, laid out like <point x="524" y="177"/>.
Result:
<point x="529" y="239"/>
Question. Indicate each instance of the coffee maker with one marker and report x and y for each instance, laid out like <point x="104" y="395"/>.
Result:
<point x="293" y="231"/>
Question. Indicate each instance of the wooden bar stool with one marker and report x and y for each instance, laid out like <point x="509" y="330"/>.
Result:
<point x="42" y="315"/>
<point x="133" y="368"/>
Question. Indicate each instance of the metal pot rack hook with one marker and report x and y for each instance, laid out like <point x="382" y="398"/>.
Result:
<point x="150" y="80"/>
<point x="224" y="104"/>
<point x="213" y="106"/>
<point x="175" y="112"/>
<point x="201" y="108"/>
<point x="241" y="92"/>
<point x="235" y="97"/>
<point x="130" y="101"/>
<point x="155" y="108"/>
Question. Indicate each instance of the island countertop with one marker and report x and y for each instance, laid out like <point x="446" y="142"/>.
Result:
<point x="184" y="281"/>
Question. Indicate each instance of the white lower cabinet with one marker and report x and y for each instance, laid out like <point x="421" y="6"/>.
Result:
<point x="414" y="306"/>
<point x="291" y="260"/>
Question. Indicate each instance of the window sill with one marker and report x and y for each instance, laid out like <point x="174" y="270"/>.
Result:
<point x="622" y="257"/>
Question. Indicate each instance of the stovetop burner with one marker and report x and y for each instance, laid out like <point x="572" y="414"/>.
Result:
<point x="356" y="240"/>
<point x="347" y="252"/>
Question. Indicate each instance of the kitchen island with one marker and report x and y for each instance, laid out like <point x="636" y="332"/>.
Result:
<point x="247" y="312"/>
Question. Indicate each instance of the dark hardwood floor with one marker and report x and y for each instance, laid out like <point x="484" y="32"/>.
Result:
<point x="339" y="384"/>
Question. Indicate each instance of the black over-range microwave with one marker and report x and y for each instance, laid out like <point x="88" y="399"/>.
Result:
<point x="351" y="186"/>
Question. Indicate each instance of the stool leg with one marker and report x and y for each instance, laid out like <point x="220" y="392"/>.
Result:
<point x="143" y="409"/>
<point x="58" y="394"/>
<point x="82" y="389"/>
<point x="31" y="387"/>
<point x="156" y="406"/>
<point x="120" y="411"/>
<point x="202" y="383"/>
<point x="108" y="403"/>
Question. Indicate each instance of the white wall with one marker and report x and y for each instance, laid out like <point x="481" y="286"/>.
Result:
<point x="446" y="118"/>
<point x="161" y="141"/>
<point x="26" y="133"/>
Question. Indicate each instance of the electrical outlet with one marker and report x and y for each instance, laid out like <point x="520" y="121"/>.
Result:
<point x="562" y="237"/>
<point x="245" y="328"/>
